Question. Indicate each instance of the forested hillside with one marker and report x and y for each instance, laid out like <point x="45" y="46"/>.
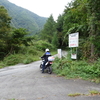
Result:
<point x="23" y="18"/>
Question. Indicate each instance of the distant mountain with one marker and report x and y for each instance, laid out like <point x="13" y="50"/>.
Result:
<point x="23" y="18"/>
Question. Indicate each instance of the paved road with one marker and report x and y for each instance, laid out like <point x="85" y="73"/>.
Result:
<point x="26" y="82"/>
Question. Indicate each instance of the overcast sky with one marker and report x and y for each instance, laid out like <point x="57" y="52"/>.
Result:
<point x="43" y="8"/>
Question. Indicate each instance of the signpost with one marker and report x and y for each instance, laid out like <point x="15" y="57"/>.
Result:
<point x="74" y="42"/>
<point x="59" y="53"/>
<point x="73" y="39"/>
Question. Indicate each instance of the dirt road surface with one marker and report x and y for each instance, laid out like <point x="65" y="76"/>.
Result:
<point x="26" y="82"/>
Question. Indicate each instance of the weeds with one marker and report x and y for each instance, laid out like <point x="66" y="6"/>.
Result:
<point x="25" y="55"/>
<point x="75" y="94"/>
<point x="94" y="92"/>
<point x="77" y="69"/>
<point x="91" y="93"/>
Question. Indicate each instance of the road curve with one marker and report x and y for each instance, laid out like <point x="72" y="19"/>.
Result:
<point x="26" y="82"/>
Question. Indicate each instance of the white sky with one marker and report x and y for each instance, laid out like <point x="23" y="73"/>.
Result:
<point x="43" y="8"/>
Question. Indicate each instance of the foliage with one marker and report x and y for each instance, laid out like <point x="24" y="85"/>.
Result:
<point x="94" y="26"/>
<point x="26" y="55"/>
<point x="60" y="34"/>
<point x="13" y="59"/>
<point x="91" y="93"/>
<point x="17" y="46"/>
<point x="23" y="18"/>
<point x="19" y="37"/>
<point x="94" y="92"/>
<point x="13" y="99"/>
<point x="2" y="64"/>
<point x="4" y="30"/>
<point x="76" y="69"/>
<point x="49" y="28"/>
<point x="13" y="43"/>
<point x="42" y="45"/>
<point x="55" y="40"/>
<point x="74" y="95"/>
<point x="83" y="16"/>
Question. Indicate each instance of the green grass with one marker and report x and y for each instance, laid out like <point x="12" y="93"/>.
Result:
<point x="77" y="69"/>
<point x="91" y="93"/>
<point x="24" y="56"/>
<point x="28" y="54"/>
<point x="75" y="94"/>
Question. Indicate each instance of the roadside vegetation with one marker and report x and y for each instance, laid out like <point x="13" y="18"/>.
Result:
<point x="27" y="54"/>
<point x="77" y="69"/>
<point x="91" y="93"/>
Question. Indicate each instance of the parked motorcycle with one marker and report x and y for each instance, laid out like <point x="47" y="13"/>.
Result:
<point x="48" y="67"/>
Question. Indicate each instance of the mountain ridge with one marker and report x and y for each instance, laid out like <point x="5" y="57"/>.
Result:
<point x="23" y="18"/>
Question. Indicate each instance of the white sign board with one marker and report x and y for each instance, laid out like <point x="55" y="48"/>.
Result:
<point x="73" y="39"/>
<point x="59" y="53"/>
<point x="73" y="56"/>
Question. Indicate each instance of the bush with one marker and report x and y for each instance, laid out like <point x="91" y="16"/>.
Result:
<point x="13" y="59"/>
<point x="42" y="45"/>
<point x="2" y="64"/>
<point x="26" y="55"/>
<point x="76" y="69"/>
<point x="28" y="60"/>
<point x="31" y="50"/>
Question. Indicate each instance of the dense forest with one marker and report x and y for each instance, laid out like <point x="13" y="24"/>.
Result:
<point x="23" y="18"/>
<point x="78" y="16"/>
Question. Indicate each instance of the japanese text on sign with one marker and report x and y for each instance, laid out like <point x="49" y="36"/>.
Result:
<point x="73" y="39"/>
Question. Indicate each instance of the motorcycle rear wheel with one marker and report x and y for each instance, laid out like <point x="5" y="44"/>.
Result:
<point x="41" y="67"/>
<point x="50" y="70"/>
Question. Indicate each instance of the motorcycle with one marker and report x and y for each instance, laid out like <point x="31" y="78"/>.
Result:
<point x="48" y="67"/>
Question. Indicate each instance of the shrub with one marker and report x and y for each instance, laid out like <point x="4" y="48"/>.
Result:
<point x="2" y="64"/>
<point x="28" y="60"/>
<point x="77" y="69"/>
<point x="13" y="59"/>
<point x="42" y="45"/>
<point x="28" y="50"/>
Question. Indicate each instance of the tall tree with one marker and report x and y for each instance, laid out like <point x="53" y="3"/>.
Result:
<point x="18" y="38"/>
<point x="94" y="26"/>
<point x="75" y="17"/>
<point x="4" y="23"/>
<point x="59" y="28"/>
<point x="4" y="30"/>
<point x="49" y="29"/>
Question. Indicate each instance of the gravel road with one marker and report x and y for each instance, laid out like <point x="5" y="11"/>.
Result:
<point x="26" y="82"/>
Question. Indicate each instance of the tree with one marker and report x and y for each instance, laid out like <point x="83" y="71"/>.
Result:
<point x="76" y="20"/>
<point x="55" y="40"/>
<point x="5" y="21"/>
<point x="19" y="37"/>
<point x="59" y="28"/>
<point x="94" y="27"/>
<point x="48" y="30"/>
<point x="4" y="30"/>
